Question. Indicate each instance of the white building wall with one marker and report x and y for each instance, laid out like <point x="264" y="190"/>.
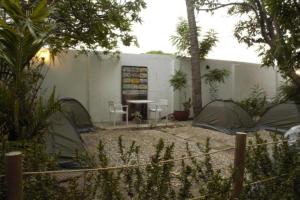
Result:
<point x="243" y="77"/>
<point x="249" y="75"/>
<point x="226" y="90"/>
<point x="94" y="81"/>
<point x="160" y="69"/>
<point x="68" y="76"/>
<point x="104" y="85"/>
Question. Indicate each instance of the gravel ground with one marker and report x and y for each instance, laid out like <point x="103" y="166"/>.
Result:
<point x="148" y="138"/>
<point x="179" y="134"/>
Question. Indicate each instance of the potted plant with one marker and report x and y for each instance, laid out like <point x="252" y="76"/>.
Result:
<point x="137" y="117"/>
<point x="178" y="82"/>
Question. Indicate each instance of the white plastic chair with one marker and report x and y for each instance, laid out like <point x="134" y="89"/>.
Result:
<point x="158" y="108"/>
<point x="117" y="109"/>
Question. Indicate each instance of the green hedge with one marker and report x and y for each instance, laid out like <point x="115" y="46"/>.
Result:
<point x="173" y="180"/>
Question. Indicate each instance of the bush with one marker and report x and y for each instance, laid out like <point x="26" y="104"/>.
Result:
<point x="213" y="78"/>
<point x="287" y="91"/>
<point x="23" y="111"/>
<point x="35" y="159"/>
<point x="280" y="161"/>
<point x="256" y="103"/>
<point x="192" y="178"/>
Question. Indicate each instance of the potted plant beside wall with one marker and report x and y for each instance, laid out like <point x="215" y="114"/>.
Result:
<point x="178" y="82"/>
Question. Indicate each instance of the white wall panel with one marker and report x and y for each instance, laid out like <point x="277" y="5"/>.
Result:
<point x="94" y="81"/>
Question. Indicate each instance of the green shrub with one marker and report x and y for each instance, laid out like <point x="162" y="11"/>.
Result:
<point x="280" y="161"/>
<point x="287" y="91"/>
<point x="210" y="181"/>
<point x="23" y="111"/>
<point x="36" y="158"/>
<point x="213" y="78"/>
<point x="256" y="104"/>
<point x="192" y="178"/>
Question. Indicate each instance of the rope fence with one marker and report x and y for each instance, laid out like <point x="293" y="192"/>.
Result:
<point x="199" y="197"/>
<point x="14" y="171"/>
<point x="266" y="179"/>
<point x="124" y="166"/>
<point x="268" y="143"/>
<point x="142" y="165"/>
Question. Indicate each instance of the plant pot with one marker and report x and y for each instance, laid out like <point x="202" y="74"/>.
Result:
<point x="181" y="115"/>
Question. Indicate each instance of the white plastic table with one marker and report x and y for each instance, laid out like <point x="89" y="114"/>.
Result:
<point x="140" y="101"/>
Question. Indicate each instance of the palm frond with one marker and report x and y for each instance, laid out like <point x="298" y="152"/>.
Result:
<point x="40" y="12"/>
<point x="181" y="39"/>
<point x="22" y="110"/>
<point x="13" y="9"/>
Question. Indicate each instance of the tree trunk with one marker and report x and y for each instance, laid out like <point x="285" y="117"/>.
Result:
<point x="195" y="59"/>
<point x="295" y="78"/>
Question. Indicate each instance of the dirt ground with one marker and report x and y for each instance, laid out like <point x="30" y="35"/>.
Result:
<point x="148" y="138"/>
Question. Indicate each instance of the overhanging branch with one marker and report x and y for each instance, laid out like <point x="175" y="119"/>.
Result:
<point x="216" y="6"/>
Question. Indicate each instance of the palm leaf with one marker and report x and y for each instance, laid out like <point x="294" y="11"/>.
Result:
<point x="13" y="9"/>
<point x="20" y="40"/>
<point x="40" y="12"/>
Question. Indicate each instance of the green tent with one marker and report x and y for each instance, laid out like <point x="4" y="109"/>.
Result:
<point x="77" y="115"/>
<point x="62" y="138"/>
<point x="224" y="116"/>
<point x="281" y="117"/>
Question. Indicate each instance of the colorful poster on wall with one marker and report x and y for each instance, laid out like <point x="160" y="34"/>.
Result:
<point x="134" y="87"/>
<point x="134" y="80"/>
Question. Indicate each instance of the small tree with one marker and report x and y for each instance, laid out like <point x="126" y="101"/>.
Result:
<point x="213" y="78"/>
<point x="272" y="26"/>
<point x="23" y="112"/>
<point x="186" y="47"/>
<point x="256" y="103"/>
<point x="90" y="25"/>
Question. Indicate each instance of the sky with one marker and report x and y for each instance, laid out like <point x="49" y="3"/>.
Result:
<point x="159" y="23"/>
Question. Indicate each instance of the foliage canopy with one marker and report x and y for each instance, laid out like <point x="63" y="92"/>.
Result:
<point x="273" y="26"/>
<point x="90" y="25"/>
<point x="159" y="52"/>
<point x="178" y="80"/>
<point x="23" y="113"/>
<point x="216" y="75"/>
<point x="213" y="78"/>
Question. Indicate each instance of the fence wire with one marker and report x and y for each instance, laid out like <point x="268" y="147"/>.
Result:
<point x="146" y="164"/>
<point x="85" y="171"/>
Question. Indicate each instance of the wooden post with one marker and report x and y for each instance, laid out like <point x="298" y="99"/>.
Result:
<point x="239" y="164"/>
<point x="14" y="175"/>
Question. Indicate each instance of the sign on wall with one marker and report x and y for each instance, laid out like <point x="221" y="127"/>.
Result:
<point x="134" y="80"/>
<point x="135" y="87"/>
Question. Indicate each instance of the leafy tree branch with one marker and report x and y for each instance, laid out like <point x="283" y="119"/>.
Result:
<point x="273" y="26"/>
